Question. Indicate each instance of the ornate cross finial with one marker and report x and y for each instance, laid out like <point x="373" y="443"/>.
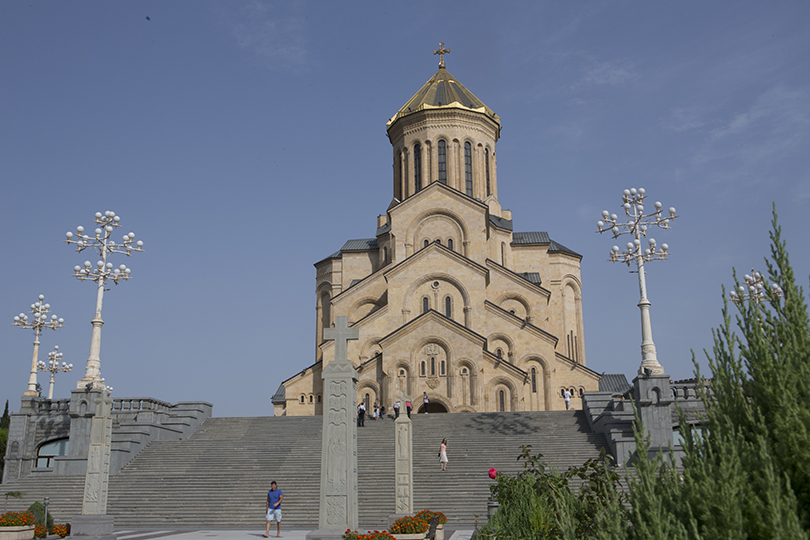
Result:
<point x="441" y="51"/>
<point x="341" y="333"/>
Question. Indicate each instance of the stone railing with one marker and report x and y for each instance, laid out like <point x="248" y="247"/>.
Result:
<point x="51" y="406"/>
<point x="140" y="404"/>
<point x="687" y="390"/>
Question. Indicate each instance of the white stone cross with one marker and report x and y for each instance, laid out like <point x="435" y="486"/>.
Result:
<point x="341" y="334"/>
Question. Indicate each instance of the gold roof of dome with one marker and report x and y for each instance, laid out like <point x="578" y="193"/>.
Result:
<point x="443" y="91"/>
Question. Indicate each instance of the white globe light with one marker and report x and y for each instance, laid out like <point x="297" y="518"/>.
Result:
<point x="640" y="207"/>
<point x="108" y="228"/>
<point x="600" y="224"/>
<point x="626" y="192"/>
<point x="87" y="263"/>
<point x="664" y="247"/>
<point x="636" y="242"/>
<point x="16" y="318"/>
<point x="122" y="267"/>
<point x="651" y="241"/>
<point x="615" y="249"/>
<point x="109" y="265"/>
<point x="647" y="252"/>
<point x="641" y="191"/>
<point x="80" y="229"/>
<point x="47" y="306"/>
<point x="100" y="264"/>
<point x="127" y="271"/>
<point x="53" y="317"/>
<point x="116" y="219"/>
<point x="658" y="205"/>
<point x="630" y="245"/>
<point x="672" y="210"/>
<point x="633" y="191"/>
<point x="605" y="214"/>
<point x="140" y="243"/>
<point x="98" y="231"/>
<point x="626" y="206"/>
<point x="61" y="320"/>
<point x="98" y="215"/>
<point x="747" y="277"/>
<point x="126" y="238"/>
<point x="69" y="235"/>
<point x="131" y="235"/>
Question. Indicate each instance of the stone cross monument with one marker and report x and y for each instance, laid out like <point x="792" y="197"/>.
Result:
<point x="338" y="501"/>
<point x="94" y="523"/>
<point x="403" y="462"/>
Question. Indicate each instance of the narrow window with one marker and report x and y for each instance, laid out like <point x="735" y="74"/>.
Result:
<point x="319" y="398"/>
<point x="499" y="353"/>
<point x="486" y="154"/>
<point x="432" y="366"/>
<point x="581" y="392"/>
<point x="442" y="161"/>
<point x="448" y="307"/>
<point x="417" y="167"/>
<point x="502" y="399"/>
<point x="310" y="399"/>
<point x="468" y="168"/>
<point x="450" y="243"/>
<point x="442" y="372"/>
<point x="385" y="255"/>
<point x="423" y="368"/>
<point x="401" y="180"/>
<point x="534" y="381"/>
<point x="368" y="403"/>
<point x="503" y="253"/>
<point x="463" y="371"/>
<point x="302" y="398"/>
<point x="425" y="305"/>
<point x="427" y="242"/>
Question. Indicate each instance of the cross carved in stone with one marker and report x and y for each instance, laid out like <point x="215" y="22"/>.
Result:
<point x="341" y="334"/>
<point x="441" y="51"/>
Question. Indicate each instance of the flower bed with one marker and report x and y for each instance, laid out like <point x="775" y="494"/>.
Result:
<point x="375" y="535"/>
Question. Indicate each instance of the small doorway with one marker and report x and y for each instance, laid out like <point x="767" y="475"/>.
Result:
<point x="433" y="407"/>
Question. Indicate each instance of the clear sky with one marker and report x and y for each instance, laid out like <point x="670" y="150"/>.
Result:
<point x="244" y="141"/>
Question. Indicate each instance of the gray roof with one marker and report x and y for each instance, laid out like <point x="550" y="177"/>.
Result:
<point x="384" y="229"/>
<point x="536" y="237"/>
<point x="534" y="277"/>
<point x="556" y="246"/>
<point x="614" y="382"/>
<point x="363" y="244"/>
<point x="501" y="222"/>
<point x="280" y="396"/>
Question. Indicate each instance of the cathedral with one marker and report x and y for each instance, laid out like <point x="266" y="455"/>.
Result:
<point x="450" y="302"/>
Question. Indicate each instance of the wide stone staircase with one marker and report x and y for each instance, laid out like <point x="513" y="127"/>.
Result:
<point x="220" y="475"/>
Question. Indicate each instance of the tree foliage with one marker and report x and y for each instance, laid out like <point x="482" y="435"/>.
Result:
<point x="746" y="473"/>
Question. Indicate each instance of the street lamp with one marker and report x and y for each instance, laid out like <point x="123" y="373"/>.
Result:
<point x="637" y="226"/>
<point x="756" y="289"/>
<point x="103" y="271"/>
<point x="39" y="310"/>
<point x="53" y="366"/>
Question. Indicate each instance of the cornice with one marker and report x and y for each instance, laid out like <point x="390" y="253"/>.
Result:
<point x="521" y="323"/>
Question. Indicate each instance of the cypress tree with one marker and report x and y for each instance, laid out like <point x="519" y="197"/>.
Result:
<point x="746" y="473"/>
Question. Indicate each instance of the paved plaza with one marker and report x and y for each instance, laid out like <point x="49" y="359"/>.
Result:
<point x="239" y="534"/>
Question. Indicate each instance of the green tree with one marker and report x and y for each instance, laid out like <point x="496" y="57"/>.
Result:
<point x="746" y="474"/>
<point x="5" y="421"/>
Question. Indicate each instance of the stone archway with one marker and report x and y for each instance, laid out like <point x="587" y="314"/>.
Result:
<point x="432" y="407"/>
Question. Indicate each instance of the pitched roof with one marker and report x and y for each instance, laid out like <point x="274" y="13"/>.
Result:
<point x="535" y="237"/>
<point x="443" y="91"/>
<point x="363" y="244"/>
<point x="501" y="222"/>
<point x="556" y="246"/>
<point x="614" y="382"/>
<point x="533" y="277"/>
<point x="280" y="396"/>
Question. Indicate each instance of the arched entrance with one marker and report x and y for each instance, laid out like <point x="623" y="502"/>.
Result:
<point x="433" y="407"/>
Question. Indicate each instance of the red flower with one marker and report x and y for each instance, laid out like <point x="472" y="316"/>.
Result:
<point x="493" y="473"/>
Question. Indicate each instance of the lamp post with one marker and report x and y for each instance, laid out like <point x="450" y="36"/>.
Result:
<point x="637" y="226"/>
<point x="39" y="310"/>
<point x="103" y="243"/>
<point x="756" y="289"/>
<point x="53" y="366"/>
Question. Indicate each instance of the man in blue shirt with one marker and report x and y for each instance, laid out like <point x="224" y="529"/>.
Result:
<point x="274" y="498"/>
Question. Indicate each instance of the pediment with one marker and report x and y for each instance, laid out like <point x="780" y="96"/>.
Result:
<point x="518" y="280"/>
<point x="432" y="323"/>
<point x="439" y="256"/>
<point x="438" y="192"/>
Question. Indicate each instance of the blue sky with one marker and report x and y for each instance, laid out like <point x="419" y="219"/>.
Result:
<point x="244" y="141"/>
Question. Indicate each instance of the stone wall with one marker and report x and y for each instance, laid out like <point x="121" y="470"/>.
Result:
<point x="136" y="423"/>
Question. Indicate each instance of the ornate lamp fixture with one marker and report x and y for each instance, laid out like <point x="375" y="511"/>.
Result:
<point x="40" y="320"/>
<point x="756" y="289"/>
<point x="103" y="243"/>
<point x="53" y="367"/>
<point x="637" y="226"/>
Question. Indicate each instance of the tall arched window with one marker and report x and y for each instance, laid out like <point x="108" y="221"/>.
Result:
<point x="468" y="168"/>
<point x="417" y="167"/>
<point x="425" y="304"/>
<point x="442" y="368"/>
<point x="442" y="161"/>
<point x="450" y="243"/>
<point x="427" y="242"/>
<point x="48" y="451"/>
<point x="534" y="381"/>
<point x="368" y="403"/>
<point x="448" y="306"/>
<point x="499" y="353"/>
<point x="502" y="400"/>
<point x="486" y="155"/>
<point x="401" y="179"/>
<point x="423" y="368"/>
<point x="432" y="365"/>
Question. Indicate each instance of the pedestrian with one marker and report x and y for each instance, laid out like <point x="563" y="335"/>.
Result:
<point x="382" y="411"/>
<point x="274" y="498"/>
<point x="361" y="415"/>
<point x="396" y="409"/>
<point x="567" y="398"/>
<point x="408" y="407"/>
<point x="376" y="410"/>
<point x="443" y="454"/>
<point x="425" y="401"/>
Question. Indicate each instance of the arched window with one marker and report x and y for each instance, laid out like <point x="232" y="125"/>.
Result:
<point x="385" y="255"/>
<point x="401" y="182"/>
<point x="432" y="365"/>
<point x="425" y="304"/>
<point x="486" y="155"/>
<point x="311" y="398"/>
<point x="499" y="353"/>
<point x="442" y="369"/>
<point x="423" y="368"/>
<point x="463" y="371"/>
<point x="417" y="167"/>
<point x="502" y="400"/>
<point x="302" y="398"/>
<point x="427" y="242"/>
<point x="468" y="168"/>
<point x="442" y="161"/>
<point x="450" y="243"/>
<point x="368" y="403"/>
<point x="503" y="253"/>
<point x="319" y="398"/>
<point x="581" y="392"/>
<point x="401" y="372"/>
<point x="50" y="450"/>
<point x="534" y="381"/>
<point x="448" y="306"/>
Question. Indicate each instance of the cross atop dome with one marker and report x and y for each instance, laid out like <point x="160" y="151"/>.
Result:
<point x="441" y="51"/>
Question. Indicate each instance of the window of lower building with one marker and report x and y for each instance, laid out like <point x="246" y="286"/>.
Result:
<point x="48" y="451"/>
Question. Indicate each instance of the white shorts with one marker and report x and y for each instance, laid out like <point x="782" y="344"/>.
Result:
<point x="274" y="514"/>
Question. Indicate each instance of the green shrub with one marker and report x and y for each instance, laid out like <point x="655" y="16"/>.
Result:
<point x="38" y="509"/>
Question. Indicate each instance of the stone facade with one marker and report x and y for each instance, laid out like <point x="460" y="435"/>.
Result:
<point x="447" y="298"/>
